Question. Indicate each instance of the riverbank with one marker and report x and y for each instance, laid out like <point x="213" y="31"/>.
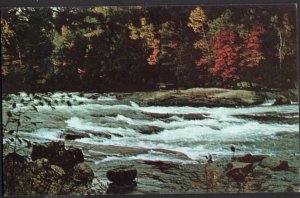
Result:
<point x="263" y="173"/>
<point x="210" y="97"/>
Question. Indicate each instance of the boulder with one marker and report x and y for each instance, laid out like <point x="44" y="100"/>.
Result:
<point x="56" y="153"/>
<point x="122" y="175"/>
<point x="75" y="136"/>
<point x="69" y="158"/>
<point x="13" y="168"/>
<point x="248" y="158"/>
<point x="281" y="100"/>
<point x="238" y="170"/>
<point x="148" y="129"/>
<point x="274" y="164"/>
<point x="161" y="165"/>
<point x="50" y="150"/>
<point x="260" y="171"/>
<point x="83" y="174"/>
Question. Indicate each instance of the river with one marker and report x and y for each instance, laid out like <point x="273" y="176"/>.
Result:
<point x="192" y="131"/>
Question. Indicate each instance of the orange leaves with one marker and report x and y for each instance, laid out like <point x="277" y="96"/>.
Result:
<point x="226" y="56"/>
<point x="146" y="33"/>
<point x="153" y="57"/>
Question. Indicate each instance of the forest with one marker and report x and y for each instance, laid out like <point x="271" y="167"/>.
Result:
<point x="137" y="48"/>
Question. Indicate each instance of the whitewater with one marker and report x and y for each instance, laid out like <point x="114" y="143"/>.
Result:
<point x="254" y="129"/>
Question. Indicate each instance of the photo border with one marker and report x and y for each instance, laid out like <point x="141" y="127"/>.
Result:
<point x="91" y="3"/>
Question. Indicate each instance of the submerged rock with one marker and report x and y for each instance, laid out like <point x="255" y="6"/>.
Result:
<point x="148" y="129"/>
<point x="122" y="175"/>
<point x="76" y="136"/>
<point x="274" y="163"/>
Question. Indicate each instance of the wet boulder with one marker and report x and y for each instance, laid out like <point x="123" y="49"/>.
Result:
<point x="76" y="136"/>
<point x="122" y="175"/>
<point x="69" y="158"/>
<point x="281" y="100"/>
<point x="274" y="164"/>
<point x="148" y="129"/>
<point x="50" y="150"/>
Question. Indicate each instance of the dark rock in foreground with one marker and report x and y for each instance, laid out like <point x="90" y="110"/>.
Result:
<point x="69" y="158"/>
<point x="45" y="176"/>
<point x="56" y="153"/>
<point x="82" y="173"/>
<point x="122" y="175"/>
<point x="50" y="150"/>
<point x="274" y="164"/>
<point x="238" y="171"/>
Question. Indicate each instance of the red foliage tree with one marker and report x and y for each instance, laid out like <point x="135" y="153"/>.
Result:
<point x="252" y="54"/>
<point x="226" y="55"/>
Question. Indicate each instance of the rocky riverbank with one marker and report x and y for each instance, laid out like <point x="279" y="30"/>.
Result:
<point x="210" y="97"/>
<point x="247" y="173"/>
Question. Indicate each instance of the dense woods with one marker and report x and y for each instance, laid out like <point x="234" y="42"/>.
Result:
<point x="137" y="48"/>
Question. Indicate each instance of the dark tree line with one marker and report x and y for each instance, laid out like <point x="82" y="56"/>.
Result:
<point x="135" y="48"/>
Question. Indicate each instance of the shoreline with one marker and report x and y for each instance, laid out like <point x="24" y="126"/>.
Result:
<point x="209" y="97"/>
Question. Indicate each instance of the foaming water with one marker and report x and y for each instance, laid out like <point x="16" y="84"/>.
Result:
<point x="213" y="133"/>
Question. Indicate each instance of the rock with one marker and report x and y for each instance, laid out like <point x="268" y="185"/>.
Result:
<point x="75" y="136"/>
<point x="193" y="116"/>
<point x="238" y="170"/>
<point x="49" y="150"/>
<point x="103" y="134"/>
<point x="56" y="153"/>
<point x="259" y="171"/>
<point x="248" y="158"/>
<point x="148" y="129"/>
<point x="82" y="173"/>
<point x="70" y="158"/>
<point x="13" y="169"/>
<point x="14" y="158"/>
<point x="274" y="164"/>
<point x="122" y="175"/>
<point x="281" y="100"/>
<point x="38" y="178"/>
<point x="161" y="165"/>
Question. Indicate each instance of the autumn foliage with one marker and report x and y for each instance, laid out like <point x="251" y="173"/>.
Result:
<point x="227" y="52"/>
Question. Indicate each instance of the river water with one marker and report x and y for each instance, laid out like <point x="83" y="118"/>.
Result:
<point x="263" y="129"/>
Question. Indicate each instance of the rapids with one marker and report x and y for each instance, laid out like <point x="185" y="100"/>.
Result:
<point x="193" y="131"/>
